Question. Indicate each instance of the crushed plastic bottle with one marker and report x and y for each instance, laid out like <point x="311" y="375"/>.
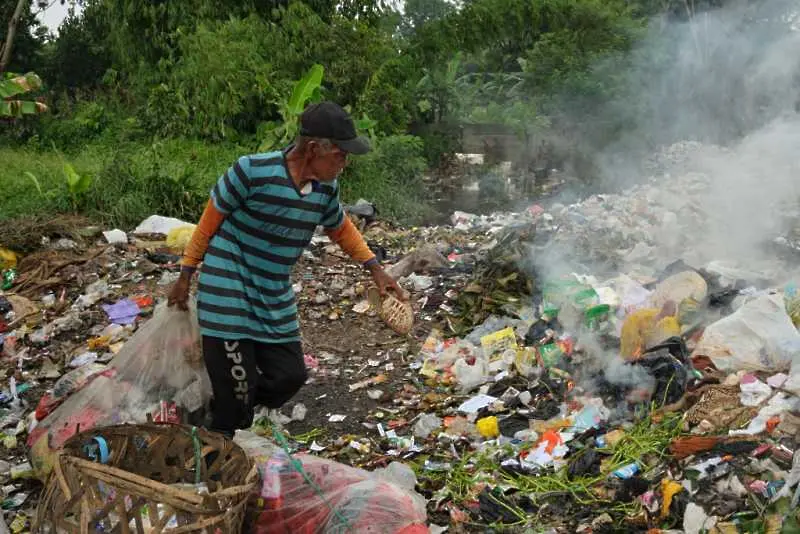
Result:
<point x="627" y="471"/>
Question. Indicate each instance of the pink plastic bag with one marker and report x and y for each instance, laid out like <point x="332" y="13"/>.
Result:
<point x="311" y="495"/>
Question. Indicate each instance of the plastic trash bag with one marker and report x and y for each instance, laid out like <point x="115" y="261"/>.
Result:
<point x="643" y="329"/>
<point x="159" y="370"/>
<point x="67" y="385"/>
<point x="156" y="224"/>
<point x="669" y="365"/>
<point x="759" y="336"/>
<point x="179" y="237"/>
<point x="679" y="287"/>
<point x="8" y="259"/>
<point x="333" y="499"/>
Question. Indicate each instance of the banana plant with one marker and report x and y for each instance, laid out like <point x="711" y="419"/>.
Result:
<point x="77" y="184"/>
<point x="367" y="126"/>
<point x="12" y="87"/>
<point x="306" y="91"/>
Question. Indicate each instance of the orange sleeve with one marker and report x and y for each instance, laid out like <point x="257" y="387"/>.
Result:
<point x="209" y="222"/>
<point x="351" y="241"/>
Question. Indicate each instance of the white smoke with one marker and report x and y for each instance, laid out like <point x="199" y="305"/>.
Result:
<point x="732" y="87"/>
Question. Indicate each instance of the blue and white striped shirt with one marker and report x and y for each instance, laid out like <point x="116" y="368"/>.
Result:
<point x="245" y="289"/>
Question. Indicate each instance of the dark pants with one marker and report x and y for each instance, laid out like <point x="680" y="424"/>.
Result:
<point x="245" y="373"/>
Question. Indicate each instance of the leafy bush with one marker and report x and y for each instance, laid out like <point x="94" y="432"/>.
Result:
<point x="391" y="176"/>
<point x="172" y="178"/>
<point x="222" y="82"/>
<point x="85" y="124"/>
<point x="442" y="141"/>
<point x="74" y="126"/>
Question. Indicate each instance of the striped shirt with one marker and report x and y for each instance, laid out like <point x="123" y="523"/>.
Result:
<point x="245" y="289"/>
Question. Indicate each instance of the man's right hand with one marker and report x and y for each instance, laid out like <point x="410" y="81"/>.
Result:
<point x="179" y="295"/>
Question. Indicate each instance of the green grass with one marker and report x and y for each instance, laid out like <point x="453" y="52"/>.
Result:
<point x="173" y="178"/>
<point x="646" y="443"/>
<point x="20" y="195"/>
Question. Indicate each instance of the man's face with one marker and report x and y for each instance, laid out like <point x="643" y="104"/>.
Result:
<point x="327" y="162"/>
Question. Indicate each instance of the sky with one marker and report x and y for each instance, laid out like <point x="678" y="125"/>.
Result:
<point x="54" y="15"/>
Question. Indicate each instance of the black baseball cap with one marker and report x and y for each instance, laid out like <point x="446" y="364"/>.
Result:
<point x="329" y="121"/>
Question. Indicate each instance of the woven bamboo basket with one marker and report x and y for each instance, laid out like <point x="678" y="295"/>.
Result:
<point x="397" y="314"/>
<point x="142" y="479"/>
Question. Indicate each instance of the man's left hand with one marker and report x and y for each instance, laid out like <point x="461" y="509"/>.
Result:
<point x="386" y="283"/>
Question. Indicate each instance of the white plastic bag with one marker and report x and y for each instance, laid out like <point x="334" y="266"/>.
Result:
<point x="678" y="287"/>
<point x="759" y="336"/>
<point x="159" y="373"/>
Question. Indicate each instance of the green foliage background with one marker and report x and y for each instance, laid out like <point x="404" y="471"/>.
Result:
<point x="152" y="100"/>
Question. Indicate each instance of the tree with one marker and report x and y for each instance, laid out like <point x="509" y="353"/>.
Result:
<point x="367" y="11"/>
<point x="148" y="31"/>
<point x="418" y="13"/>
<point x="21" y="36"/>
<point x="79" y="57"/>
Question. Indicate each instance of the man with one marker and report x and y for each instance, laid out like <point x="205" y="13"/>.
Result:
<point x="261" y="215"/>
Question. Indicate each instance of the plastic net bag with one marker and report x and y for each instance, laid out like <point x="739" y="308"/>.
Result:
<point x="305" y="494"/>
<point x="158" y="374"/>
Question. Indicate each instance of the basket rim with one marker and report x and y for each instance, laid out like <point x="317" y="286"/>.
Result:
<point x="250" y="479"/>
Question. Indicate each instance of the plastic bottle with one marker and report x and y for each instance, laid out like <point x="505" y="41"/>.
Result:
<point x="627" y="471"/>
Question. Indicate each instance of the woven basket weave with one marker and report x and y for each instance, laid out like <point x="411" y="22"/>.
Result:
<point x="144" y="484"/>
<point x="397" y="314"/>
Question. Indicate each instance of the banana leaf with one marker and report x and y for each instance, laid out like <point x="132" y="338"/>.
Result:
<point x="15" y="86"/>
<point x="18" y="108"/>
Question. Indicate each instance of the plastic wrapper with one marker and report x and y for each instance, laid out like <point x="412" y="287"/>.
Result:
<point x="179" y="237"/>
<point x="310" y="495"/>
<point x="8" y="259"/>
<point x="759" y="336"/>
<point x="67" y="385"/>
<point x="162" y="361"/>
<point x="643" y="329"/>
<point x="495" y="344"/>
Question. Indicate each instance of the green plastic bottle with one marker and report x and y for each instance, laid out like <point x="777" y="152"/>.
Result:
<point x="595" y="316"/>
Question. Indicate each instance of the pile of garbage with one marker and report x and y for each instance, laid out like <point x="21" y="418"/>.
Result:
<point x="573" y="368"/>
<point x="87" y="341"/>
<point x="621" y="404"/>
